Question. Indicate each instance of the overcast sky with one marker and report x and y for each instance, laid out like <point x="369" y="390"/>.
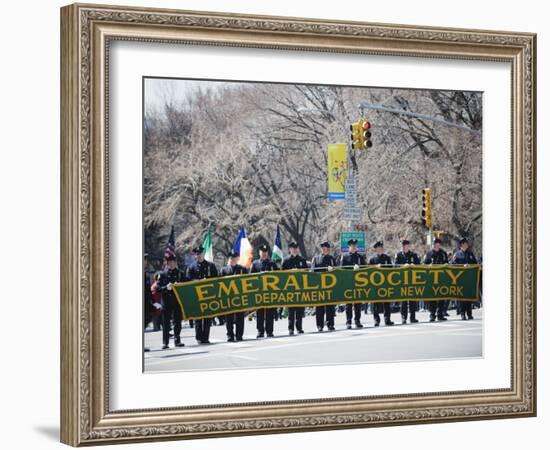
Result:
<point x="158" y="90"/>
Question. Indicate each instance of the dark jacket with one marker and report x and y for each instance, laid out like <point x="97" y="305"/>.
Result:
<point x="201" y="270"/>
<point x="168" y="276"/>
<point x="232" y="270"/>
<point x="263" y="265"/>
<point x="350" y="259"/>
<point x="436" y="257"/>
<point x="294" y="262"/>
<point x="380" y="259"/>
<point x="464" y="257"/>
<point x="320" y="262"/>
<point x="407" y="258"/>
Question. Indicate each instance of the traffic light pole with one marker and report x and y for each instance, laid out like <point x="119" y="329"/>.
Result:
<point x="402" y="112"/>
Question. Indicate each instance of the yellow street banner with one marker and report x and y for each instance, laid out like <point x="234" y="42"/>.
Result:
<point x="217" y="296"/>
<point x="337" y="169"/>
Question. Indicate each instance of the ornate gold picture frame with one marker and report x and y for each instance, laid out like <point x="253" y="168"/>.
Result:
<point x="86" y="34"/>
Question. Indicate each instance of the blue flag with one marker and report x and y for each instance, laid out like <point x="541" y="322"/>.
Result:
<point x="244" y="249"/>
<point x="237" y="244"/>
<point x="277" y="254"/>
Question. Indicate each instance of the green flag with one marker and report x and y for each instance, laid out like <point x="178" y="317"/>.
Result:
<point x="207" y="244"/>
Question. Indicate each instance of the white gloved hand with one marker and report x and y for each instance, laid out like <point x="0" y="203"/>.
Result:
<point x="378" y="265"/>
<point x="329" y="268"/>
<point x="169" y="286"/>
<point x="355" y="267"/>
<point x="157" y="305"/>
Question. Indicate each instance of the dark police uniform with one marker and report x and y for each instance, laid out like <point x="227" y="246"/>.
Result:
<point x="464" y="257"/>
<point x="378" y="307"/>
<point x="408" y="258"/>
<point x="295" y="313"/>
<point x="353" y="309"/>
<point x="236" y="318"/>
<point x="147" y="300"/>
<point x="170" y="306"/>
<point x="264" y="316"/>
<point x="320" y="263"/>
<point x="200" y="271"/>
<point x="437" y="307"/>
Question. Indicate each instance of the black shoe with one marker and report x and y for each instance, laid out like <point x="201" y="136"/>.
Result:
<point x="259" y="335"/>
<point x="446" y="314"/>
<point x="348" y="326"/>
<point x="358" y="325"/>
<point x="269" y="334"/>
<point x="165" y="346"/>
<point x="442" y="319"/>
<point x="463" y="316"/>
<point x="389" y="323"/>
<point x="239" y="338"/>
<point x="290" y="332"/>
<point x="230" y="339"/>
<point x="470" y="317"/>
<point x="414" y="320"/>
<point x="205" y="341"/>
<point x="432" y="318"/>
<point x="377" y="324"/>
<point x="146" y="349"/>
<point x="331" y="328"/>
<point x="179" y="344"/>
<point x="319" y="329"/>
<point x="403" y="320"/>
<point x="301" y="331"/>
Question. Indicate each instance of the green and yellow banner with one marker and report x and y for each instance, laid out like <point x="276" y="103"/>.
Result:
<point x="217" y="296"/>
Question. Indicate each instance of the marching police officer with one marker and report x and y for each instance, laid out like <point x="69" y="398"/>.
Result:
<point x="200" y="269"/>
<point x="464" y="256"/>
<point x="295" y="313"/>
<point x="234" y="322"/>
<point x="264" y="316"/>
<point x="147" y="297"/>
<point x="381" y="259"/>
<point x="355" y="260"/>
<point x="436" y="256"/>
<point x="170" y="306"/>
<point x="406" y="256"/>
<point x="321" y="263"/>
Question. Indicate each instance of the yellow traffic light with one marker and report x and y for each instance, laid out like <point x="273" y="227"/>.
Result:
<point x="427" y="218"/>
<point x="365" y="133"/>
<point x="356" y="136"/>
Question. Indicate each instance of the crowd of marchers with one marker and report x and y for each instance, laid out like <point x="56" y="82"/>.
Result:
<point x="162" y="308"/>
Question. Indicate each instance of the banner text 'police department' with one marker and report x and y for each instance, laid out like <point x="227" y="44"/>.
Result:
<point x="218" y="296"/>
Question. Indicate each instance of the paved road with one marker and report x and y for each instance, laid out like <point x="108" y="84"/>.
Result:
<point x="451" y="339"/>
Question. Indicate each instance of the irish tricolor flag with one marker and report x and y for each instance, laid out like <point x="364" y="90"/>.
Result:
<point x="277" y="254"/>
<point x="244" y="249"/>
<point x="207" y="245"/>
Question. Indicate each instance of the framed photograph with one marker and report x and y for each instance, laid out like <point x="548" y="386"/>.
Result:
<point x="276" y="224"/>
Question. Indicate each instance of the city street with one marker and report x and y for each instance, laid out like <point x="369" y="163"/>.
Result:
<point x="421" y="341"/>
